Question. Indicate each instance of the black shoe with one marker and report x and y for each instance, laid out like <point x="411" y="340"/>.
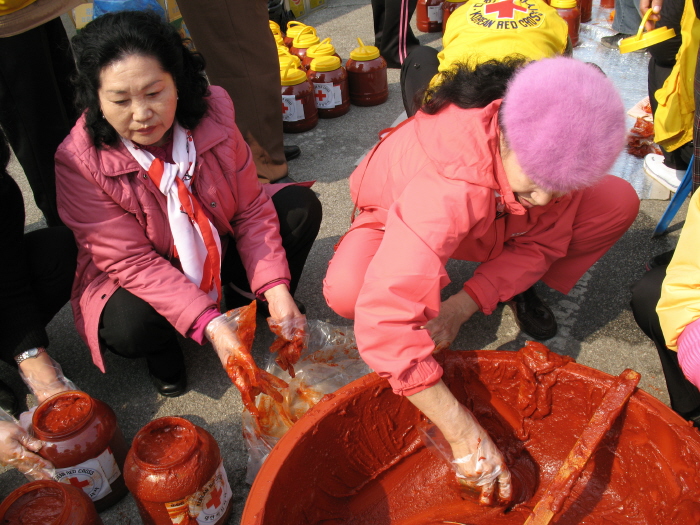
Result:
<point x="533" y="316"/>
<point x="172" y="386"/>
<point x="291" y="152"/>
<point x="613" y="42"/>
<point x="663" y="259"/>
<point x="8" y="400"/>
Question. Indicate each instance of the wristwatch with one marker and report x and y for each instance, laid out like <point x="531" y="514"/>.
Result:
<point x="28" y="354"/>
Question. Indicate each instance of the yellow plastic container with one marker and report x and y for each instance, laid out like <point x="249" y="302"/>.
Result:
<point x="645" y="39"/>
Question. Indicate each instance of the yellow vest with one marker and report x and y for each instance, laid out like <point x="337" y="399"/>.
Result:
<point x="673" y="120"/>
<point x="10" y="6"/>
<point x="482" y="30"/>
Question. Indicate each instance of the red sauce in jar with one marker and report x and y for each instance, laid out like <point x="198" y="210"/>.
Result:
<point x="367" y="76"/>
<point x="568" y="10"/>
<point x="586" y="8"/>
<point x="331" y="92"/>
<point x="84" y="443"/>
<point x="173" y="469"/>
<point x="448" y="7"/>
<point x="429" y="16"/>
<point x="299" y="112"/>
<point x="48" y="503"/>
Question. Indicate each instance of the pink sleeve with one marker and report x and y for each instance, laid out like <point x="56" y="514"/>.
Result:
<point x="689" y="352"/>
<point x="196" y="331"/>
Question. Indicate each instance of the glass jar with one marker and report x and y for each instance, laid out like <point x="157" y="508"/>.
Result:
<point x="175" y="473"/>
<point x="294" y="27"/>
<point x="448" y="7"/>
<point x="84" y="443"/>
<point x="429" y="16"/>
<point x="299" y="111"/>
<point x="48" y="503"/>
<point x="324" y="49"/>
<point x="568" y="10"/>
<point x="586" y="8"/>
<point x="330" y="82"/>
<point x="303" y="41"/>
<point x="367" y="76"/>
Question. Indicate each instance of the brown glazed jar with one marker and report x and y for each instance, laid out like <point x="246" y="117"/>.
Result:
<point x="429" y="16"/>
<point x="299" y="112"/>
<point x="175" y="473"/>
<point x="448" y="6"/>
<point x="48" y="503"/>
<point x="586" y="8"/>
<point x="367" y="76"/>
<point x="294" y="27"/>
<point x="568" y="10"/>
<point x="330" y="81"/>
<point x="324" y="49"/>
<point x="84" y="443"/>
<point x="303" y="41"/>
<point x="608" y="4"/>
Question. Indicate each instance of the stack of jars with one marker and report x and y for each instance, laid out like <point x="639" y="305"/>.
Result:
<point x="314" y="82"/>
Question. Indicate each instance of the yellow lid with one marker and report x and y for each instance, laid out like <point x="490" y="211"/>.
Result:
<point x="278" y="39"/>
<point x="292" y="76"/>
<point x="283" y="50"/>
<point x="364" y="52"/>
<point x="294" y="27"/>
<point x="563" y="4"/>
<point x="275" y="28"/>
<point x="324" y="49"/>
<point x="306" y="38"/>
<point x="285" y="60"/>
<point x="456" y="1"/>
<point x="650" y="38"/>
<point x="325" y="63"/>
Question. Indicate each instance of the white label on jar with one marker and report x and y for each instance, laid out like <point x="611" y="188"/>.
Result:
<point x="292" y="109"/>
<point x="324" y="95"/>
<point x="206" y="506"/>
<point x="435" y="13"/>
<point x="92" y="476"/>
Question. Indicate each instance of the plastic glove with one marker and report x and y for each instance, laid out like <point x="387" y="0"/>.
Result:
<point x="44" y="377"/>
<point x="17" y="449"/>
<point x="290" y="342"/>
<point x="231" y="335"/>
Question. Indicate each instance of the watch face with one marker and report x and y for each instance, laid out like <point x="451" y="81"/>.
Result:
<point x="32" y="352"/>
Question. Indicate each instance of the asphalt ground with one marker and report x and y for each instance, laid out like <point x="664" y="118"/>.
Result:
<point x="595" y="322"/>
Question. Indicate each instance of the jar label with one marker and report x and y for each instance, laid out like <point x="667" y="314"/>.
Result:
<point x="435" y="13"/>
<point x="292" y="109"/>
<point x="92" y="476"/>
<point x="327" y="95"/>
<point x="205" y="506"/>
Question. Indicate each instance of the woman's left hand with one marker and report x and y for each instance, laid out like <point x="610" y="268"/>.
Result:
<point x="454" y="312"/>
<point x="281" y="303"/>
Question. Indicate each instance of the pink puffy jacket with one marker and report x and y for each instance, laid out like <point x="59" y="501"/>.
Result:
<point x="121" y="227"/>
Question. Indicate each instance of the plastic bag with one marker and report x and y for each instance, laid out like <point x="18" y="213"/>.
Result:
<point x="640" y="141"/>
<point x="100" y="7"/>
<point x="329" y="362"/>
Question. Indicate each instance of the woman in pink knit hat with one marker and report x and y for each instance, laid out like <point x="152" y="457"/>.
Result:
<point x="505" y="165"/>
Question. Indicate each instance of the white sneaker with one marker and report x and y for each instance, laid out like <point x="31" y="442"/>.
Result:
<point x="654" y="167"/>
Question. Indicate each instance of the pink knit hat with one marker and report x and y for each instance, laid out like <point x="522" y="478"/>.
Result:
<point x="565" y="121"/>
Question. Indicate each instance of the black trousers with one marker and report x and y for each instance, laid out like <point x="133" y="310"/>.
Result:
<point x="420" y="66"/>
<point x="685" y="397"/>
<point x="36" y="105"/>
<point x="392" y="30"/>
<point x="132" y="328"/>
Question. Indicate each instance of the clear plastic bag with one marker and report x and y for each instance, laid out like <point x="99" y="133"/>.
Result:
<point x="329" y="361"/>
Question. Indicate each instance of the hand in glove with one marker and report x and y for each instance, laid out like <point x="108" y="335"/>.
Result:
<point x="17" y="449"/>
<point x="44" y="377"/>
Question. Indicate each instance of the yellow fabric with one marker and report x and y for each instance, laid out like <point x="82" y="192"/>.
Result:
<point x="481" y="30"/>
<point x="680" y="294"/>
<point x="673" y="120"/>
<point x="10" y="6"/>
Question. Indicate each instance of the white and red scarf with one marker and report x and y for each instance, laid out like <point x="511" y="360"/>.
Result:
<point x="196" y="239"/>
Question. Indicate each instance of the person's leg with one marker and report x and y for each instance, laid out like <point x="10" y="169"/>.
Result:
<point x="36" y="105"/>
<point x="685" y="397"/>
<point x="605" y="212"/>
<point x="420" y="66"/>
<point x="392" y="30"/>
<point x="235" y="39"/>
<point x="347" y="269"/>
<point x="131" y="328"/>
<point x="627" y="17"/>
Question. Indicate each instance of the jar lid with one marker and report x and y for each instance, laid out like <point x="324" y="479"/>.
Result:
<point x="563" y="4"/>
<point x="456" y="1"/>
<point x="278" y="39"/>
<point x="324" y="49"/>
<point x="294" y="60"/>
<point x="364" y="53"/>
<point x="275" y="28"/>
<point x="294" y="27"/>
<point x="325" y="63"/>
<point x="283" y="50"/>
<point x="650" y="38"/>
<point x="306" y="38"/>
<point x="291" y="76"/>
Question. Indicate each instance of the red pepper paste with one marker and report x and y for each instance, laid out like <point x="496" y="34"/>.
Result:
<point x="48" y="503"/>
<point x="175" y="473"/>
<point x="64" y="413"/>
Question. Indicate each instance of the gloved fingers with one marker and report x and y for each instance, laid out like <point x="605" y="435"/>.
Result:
<point x="505" y="486"/>
<point x="487" y="491"/>
<point x="33" y="465"/>
<point x="45" y="377"/>
<point x="29" y="442"/>
<point x="25" y="419"/>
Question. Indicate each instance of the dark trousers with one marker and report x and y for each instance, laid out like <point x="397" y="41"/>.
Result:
<point x="36" y="105"/>
<point x="130" y="327"/>
<point x="685" y="397"/>
<point x="420" y="66"/>
<point x="392" y="30"/>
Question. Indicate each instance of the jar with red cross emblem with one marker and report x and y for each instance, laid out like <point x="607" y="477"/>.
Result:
<point x="175" y="473"/>
<point x="330" y="81"/>
<point x="299" y="111"/>
<point x="429" y="16"/>
<point x="367" y="76"/>
<point x="83" y="441"/>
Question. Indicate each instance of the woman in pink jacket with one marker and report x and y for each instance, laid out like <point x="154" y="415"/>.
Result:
<point x="161" y="193"/>
<point x="505" y="165"/>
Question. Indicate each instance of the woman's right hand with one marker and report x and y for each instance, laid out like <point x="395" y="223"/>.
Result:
<point x="655" y="6"/>
<point x="17" y="449"/>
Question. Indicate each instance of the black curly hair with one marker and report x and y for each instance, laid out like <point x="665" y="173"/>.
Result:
<point x="114" y="36"/>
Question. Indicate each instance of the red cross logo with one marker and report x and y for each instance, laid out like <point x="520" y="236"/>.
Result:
<point x="320" y="95"/>
<point x="285" y="108"/>
<point x="215" y="500"/>
<point x="77" y="483"/>
<point x="505" y="9"/>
